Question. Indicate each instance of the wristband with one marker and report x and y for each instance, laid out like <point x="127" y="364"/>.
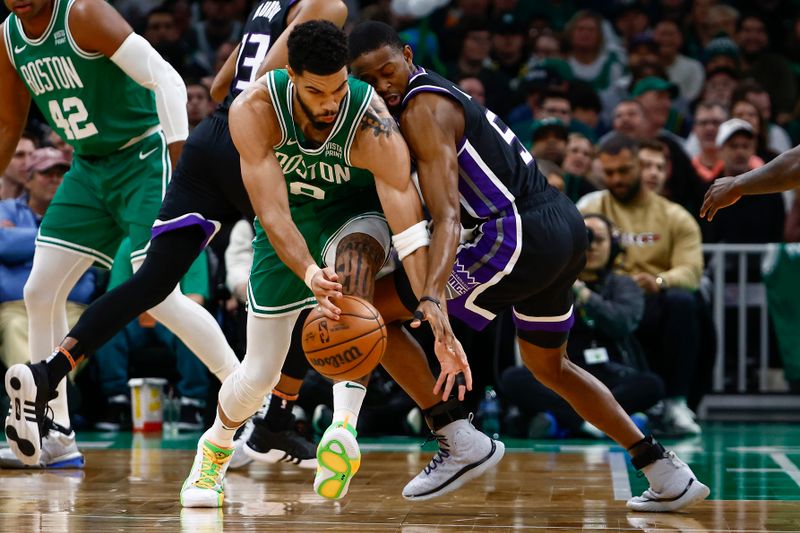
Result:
<point x="311" y="271"/>
<point x="431" y="299"/>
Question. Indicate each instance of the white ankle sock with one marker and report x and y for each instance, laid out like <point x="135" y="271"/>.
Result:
<point x="347" y="399"/>
<point x="220" y="434"/>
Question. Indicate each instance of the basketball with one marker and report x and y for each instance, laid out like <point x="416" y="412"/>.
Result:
<point x="348" y="348"/>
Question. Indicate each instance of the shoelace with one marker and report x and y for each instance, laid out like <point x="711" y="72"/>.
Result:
<point x="441" y="455"/>
<point x="209" y="469"/>
<point x="48" y="420"/>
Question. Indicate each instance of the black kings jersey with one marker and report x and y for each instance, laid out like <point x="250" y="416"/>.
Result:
<point x="263" y="27"/>
<point x="495" y="169"/>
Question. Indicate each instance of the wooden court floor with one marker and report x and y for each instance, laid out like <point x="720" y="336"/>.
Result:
<point x="132" y="484"/>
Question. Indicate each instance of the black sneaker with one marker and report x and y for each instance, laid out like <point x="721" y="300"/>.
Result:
<point x="116" y="416"/>
<point x="28" y="388"/>
<point x="285" y="446"/>
<point x="191" y="415"/>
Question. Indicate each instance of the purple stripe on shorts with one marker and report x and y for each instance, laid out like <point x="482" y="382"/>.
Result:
<point x="482" y="253"/>
<point x="470" y="318"/>
<point x="532" y="325"/>
<point x="489" y="265"/>
<point x="184" y="222"/>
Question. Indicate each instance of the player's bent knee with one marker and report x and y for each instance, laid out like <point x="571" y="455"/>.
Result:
<point x="38" y="295"/>
<point x="546" y="363"/>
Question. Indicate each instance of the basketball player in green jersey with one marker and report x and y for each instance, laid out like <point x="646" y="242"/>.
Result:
<point x="321" y="159"/>
<point x="106" y="92"/>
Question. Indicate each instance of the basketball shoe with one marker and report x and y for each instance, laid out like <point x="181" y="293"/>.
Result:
<point x="673" y="485"/>
<point x="338" y="460"/>
<point x="204" y="486"/>
<point x="679" y="419"/>
<point x="464" y="454"/>
<point x="28" y="390"/>
<point x="284" y="446"/>
<point x="59" y="450"/>
<point x="240" y="459"/>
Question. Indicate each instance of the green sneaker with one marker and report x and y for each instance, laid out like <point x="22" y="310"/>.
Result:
<point x="338" y="460"/>
<point x="203" y="487"/>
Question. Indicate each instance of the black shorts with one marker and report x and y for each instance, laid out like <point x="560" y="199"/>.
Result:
<point x="206" y="187"/>
<point x="527" y="259"/>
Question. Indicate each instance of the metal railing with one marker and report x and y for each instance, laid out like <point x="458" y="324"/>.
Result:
<point x="741" y="295"/>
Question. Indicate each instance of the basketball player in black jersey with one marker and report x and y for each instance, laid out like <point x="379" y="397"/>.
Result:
<point x="206" y="190"/>
<point x="526" y="250"/>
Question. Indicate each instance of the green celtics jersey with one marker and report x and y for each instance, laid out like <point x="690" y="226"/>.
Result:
<point x="324" y="176"/>
<point x="86" y="98"/>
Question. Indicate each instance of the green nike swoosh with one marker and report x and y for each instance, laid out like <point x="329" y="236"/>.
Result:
<point x="349" y="385"/>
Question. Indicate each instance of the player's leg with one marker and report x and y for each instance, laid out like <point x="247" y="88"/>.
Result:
<point x="241" y="394"/>
<point x="672" y="483"/>
<point x="154" y="285"/>
<point x="361" y="248"/>
<point x="87" y="221"/>
<point x="272" y="437"/>
<point x="54" y="273"/>
<point x="169" y="256"/>
<point x="276" y="298"/>
<point x="464" y="452"/>
<point x="543" y="320"/>
<point x="75" y="232"/>
<point x="194" y="326"/>
<point x="187" y="319"/>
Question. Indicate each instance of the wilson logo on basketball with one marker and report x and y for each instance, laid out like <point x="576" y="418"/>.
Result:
<point x="347" y="356"/>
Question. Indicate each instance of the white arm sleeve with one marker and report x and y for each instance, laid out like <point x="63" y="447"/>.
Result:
<point x="142" y="63"/>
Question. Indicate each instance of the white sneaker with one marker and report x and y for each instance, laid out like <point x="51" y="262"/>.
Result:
<point x="673" y="486"/>
<point x="240" y="459"/>
<point x="464" y="454"/>
<point x="59" y="450"/>
<point x="680" y="419"/>
<point x="204" y="486"/>
<point x="338" y="460"/>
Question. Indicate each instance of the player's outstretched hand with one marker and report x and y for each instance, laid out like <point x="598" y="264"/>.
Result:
<point x="324" y="284"/>
<point x="721" y="194"/>
<point x="449" y="351"/>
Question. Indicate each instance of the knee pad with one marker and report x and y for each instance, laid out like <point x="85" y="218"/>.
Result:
<point x="243" y="392"/>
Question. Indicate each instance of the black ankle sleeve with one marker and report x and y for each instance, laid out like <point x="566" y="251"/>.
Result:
<point x="443" y="413"/>
<point x="646" y="451"/>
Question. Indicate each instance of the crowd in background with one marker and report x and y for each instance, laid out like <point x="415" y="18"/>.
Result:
<point x="632" y="109"/>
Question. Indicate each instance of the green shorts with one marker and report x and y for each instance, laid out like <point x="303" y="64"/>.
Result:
<point x="274" y="289"/>
<point x="103" y="199"/>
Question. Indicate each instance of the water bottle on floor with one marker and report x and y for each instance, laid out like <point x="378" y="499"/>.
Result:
<point x="489" y="413"/>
